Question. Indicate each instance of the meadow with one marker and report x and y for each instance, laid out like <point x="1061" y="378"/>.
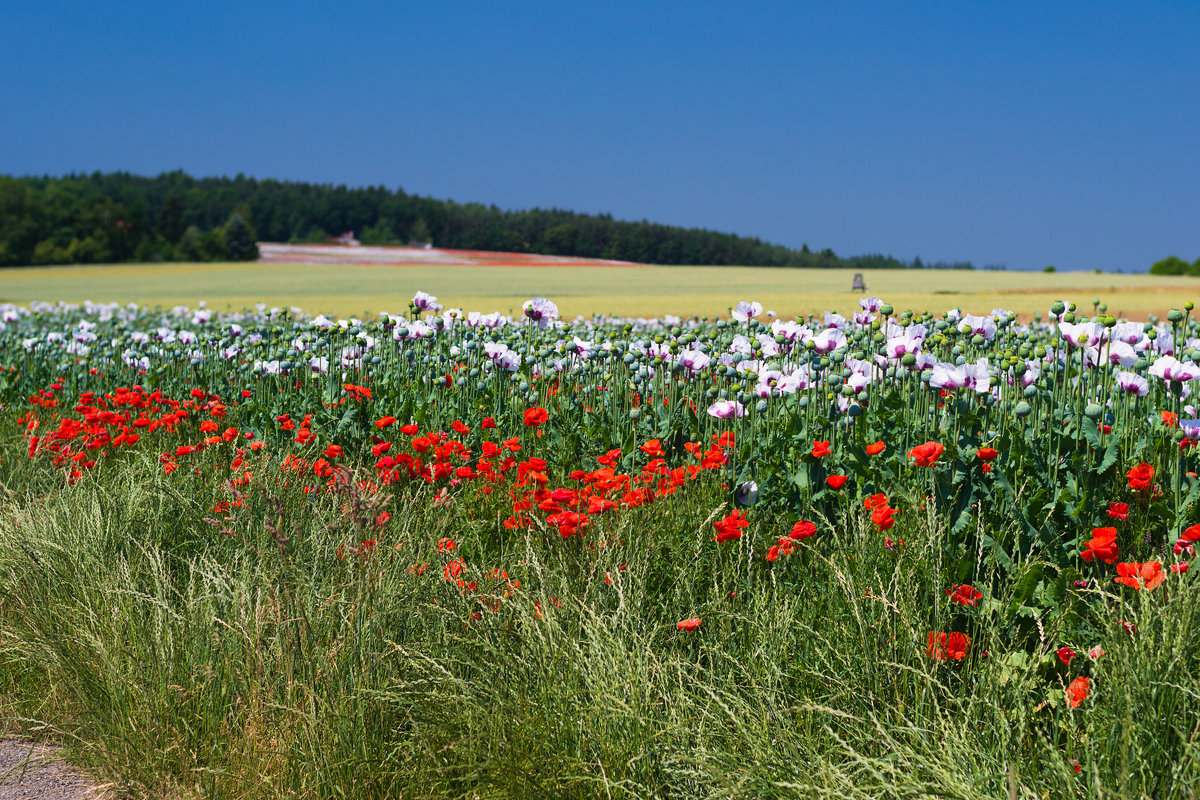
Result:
<point x="631" y="290"/>
<point x="446" y="553"/>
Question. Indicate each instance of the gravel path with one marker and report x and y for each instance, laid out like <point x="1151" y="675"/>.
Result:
<point x="30" y="771"/>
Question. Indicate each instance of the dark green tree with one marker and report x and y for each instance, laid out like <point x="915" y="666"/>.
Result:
<point x="1171" y="265"/>
<point x="239" y="240"/>
<point x="170" y="220"/>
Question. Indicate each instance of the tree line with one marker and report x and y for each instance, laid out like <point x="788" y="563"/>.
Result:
<point x="105" y="217"/>
<point x="1174" y="265"/>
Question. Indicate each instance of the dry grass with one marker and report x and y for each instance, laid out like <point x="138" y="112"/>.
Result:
<point x="632" y="290"/>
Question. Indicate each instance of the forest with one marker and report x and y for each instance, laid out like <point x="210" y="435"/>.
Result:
<point x="112" y="217"/>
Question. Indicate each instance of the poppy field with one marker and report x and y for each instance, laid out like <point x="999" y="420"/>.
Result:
<point x="448" y="553"/>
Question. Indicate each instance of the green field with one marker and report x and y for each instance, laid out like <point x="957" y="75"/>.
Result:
<point x="632" y="290"/>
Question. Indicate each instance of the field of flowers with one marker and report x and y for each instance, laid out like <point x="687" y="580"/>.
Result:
<point x="448" y="553"/>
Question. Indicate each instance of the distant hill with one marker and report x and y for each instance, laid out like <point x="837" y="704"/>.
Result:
<point x="105" y="217"/>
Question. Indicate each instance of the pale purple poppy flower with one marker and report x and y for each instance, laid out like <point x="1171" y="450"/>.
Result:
<point x="426" y="302"/>
<point x="1131" y="333"/>
<point x="1172" y="370"/>
<point x="1133" y="383"/>
<point x="744" y="310"/>
<point x="980" y="326"/>
<point x="541" y="311"/>
<point x="1190" y="428"/>
<point x="1081" y="334"/>
<point x="910" y="340"/>
<point x="829" y="340"/>
<point x="694" y="360"/>
<point x="727" y="409"/>
<point x="948" y="376"/>
<point x="834" y="320"/>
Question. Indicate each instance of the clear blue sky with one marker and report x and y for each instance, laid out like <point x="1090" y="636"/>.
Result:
<point x="1024" y="133"/>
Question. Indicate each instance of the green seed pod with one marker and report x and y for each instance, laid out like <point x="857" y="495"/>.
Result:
<point x="1022" y="409"/>
<point x="760" y="406"/>
<point x="1093" y="411"/>
<point x="1057" y="308"/>
<point x="908" y="360"/>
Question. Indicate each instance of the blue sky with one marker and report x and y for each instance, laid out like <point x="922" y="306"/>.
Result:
<point x="1018" y="133"/>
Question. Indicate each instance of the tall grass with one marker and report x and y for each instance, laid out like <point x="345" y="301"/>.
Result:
<point x="248" y="659"/>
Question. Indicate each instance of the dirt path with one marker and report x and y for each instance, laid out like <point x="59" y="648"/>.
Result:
<point x="30" y="771"/>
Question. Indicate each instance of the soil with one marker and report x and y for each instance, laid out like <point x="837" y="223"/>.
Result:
<point x="33" y="771"/>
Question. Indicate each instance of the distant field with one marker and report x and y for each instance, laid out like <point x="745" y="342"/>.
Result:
<point x="582" y="288"/>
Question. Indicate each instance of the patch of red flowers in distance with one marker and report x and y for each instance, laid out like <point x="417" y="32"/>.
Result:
<point x="688" y="625"/>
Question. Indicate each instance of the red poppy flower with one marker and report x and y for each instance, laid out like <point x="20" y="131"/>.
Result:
<point x="460" y="428"/>
<point x="882" y="517"/>
<point x="1191" y="534"/>
<point x="987" y="453"/>
<point x="1180" y="568"/>
<point x="384" y="422"/>
<point x="488" y="423"/>
<point x="653" y="448"/>
<point x="1102" y="546"/>
<point x="1065" y="654"/>
<point x="926" y="455"/>
<point x="1119" y="511"/>
<point x="948" y="646"/>
<point x="802" y="530"/>
<point x="876" y="448"/>
<point x="875" y="501"/>
<point x="688" y="625"/>
<point x="964" y="595"/>
<point x="821" y="449"/>
<point x="1141" y="477"/>
<point x="409" y="429"/>
<point x="1169" y="418"/>
<point x="535" y="416"/>
<point x="1138" y="575"/>
<point x="1078" y="691"/>
<point x="836" y="482"/>
<point x="731" y="527"/>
